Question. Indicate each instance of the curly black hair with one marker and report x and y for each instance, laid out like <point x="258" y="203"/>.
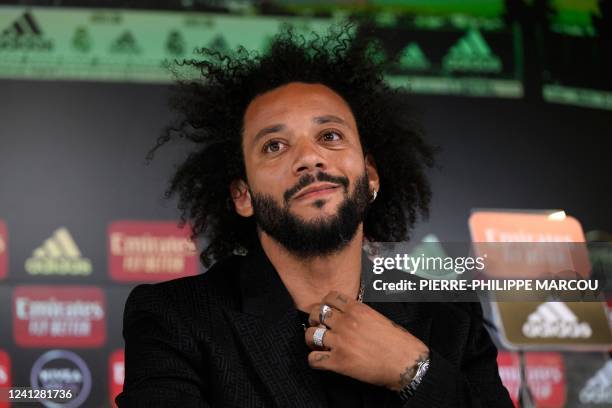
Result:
<point x="211" y="111"/>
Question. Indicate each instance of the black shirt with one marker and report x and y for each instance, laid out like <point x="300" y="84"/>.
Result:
<point x="340" y="390"/>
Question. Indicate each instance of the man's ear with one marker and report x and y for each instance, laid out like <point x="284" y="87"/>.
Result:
<point x="241" y="197"/>
<point x="372" y="172"/>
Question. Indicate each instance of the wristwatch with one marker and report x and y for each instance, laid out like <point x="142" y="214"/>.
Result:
<point x="409" y="390"/>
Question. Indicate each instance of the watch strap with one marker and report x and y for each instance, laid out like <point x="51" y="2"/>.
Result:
<point x="408" y="390"/>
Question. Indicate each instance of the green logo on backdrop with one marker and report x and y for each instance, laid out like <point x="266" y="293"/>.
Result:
<point x="24" y="34"/>
<point x="125" y="44"/>
<point x="472" y="53"/>
<point x="175" y="44"/>
<point x="376" y="52"/>
<point x="81" y="40"/>
<point x="218" y="43"/>
<point x="412" y="57"/>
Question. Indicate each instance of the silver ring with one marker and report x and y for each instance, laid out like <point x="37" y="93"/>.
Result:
<point x="325" y="309"/>
<point x="317" y="337"/>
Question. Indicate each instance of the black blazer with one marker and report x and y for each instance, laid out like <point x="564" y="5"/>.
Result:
<point x="231" y="337"/>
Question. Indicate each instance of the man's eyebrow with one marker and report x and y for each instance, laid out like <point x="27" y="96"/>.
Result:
<point x="269" y="129"/>
<point x="320" y="120"/>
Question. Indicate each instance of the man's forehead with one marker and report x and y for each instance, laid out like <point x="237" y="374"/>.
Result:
<point x="314" y="100"/>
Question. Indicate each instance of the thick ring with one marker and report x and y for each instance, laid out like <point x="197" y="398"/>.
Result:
<point x="325" y="309"/>
<point x="317" y="337"/>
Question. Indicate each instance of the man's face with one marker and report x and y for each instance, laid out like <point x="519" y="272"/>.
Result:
<point x="307" y="176"/>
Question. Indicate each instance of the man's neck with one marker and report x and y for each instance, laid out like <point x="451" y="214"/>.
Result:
<point x="309" y="280"/>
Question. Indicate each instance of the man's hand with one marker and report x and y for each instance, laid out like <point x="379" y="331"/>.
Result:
<point x="363" y="344"/>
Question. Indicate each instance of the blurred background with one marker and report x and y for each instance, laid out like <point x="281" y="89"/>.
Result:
<point x="517" y="93"/>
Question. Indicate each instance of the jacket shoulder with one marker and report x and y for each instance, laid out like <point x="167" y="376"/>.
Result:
<point x="219" y="284"/>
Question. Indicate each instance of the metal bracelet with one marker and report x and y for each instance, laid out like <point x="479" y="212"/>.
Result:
<point x="409" y="389"/>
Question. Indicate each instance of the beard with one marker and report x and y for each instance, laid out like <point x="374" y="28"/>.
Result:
<point x="322" y="235"/>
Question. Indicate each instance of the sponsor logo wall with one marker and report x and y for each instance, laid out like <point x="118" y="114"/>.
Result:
<point x="474" y="55"/>
<point x="63" y="306"/>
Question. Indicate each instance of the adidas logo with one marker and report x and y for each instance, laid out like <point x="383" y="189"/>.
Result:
<point x="471" y="53"/>
<point x="555" y="319"/>
<point x="125" y="43"/>
<point x="175" y="43"/>
<point x="412" y="57"/>
<point x="218" y="43"/>
<point x="81" y="39"/>
<point x="24" y="34"/>
<point x="598" y="389"/>
<point x="58" y="255"/>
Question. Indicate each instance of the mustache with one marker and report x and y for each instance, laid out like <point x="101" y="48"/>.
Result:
<point x="308" y="179"/>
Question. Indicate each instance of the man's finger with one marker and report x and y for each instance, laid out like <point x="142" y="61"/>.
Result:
<point x="338" y="300"/>
<point x="321" y="360"/>
<point x="315" y="316"/>
<point x="328" y="338"/>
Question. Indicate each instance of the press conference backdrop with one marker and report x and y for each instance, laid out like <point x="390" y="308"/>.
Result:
<point x="515" y="95"/>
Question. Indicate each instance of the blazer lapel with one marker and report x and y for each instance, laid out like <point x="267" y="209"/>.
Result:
<point x="270" y="332"/>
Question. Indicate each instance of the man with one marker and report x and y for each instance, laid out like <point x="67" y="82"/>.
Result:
<point x="304" y="153"/>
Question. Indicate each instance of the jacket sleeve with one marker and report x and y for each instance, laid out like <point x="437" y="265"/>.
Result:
<point x="475" y="383"/>
<point x="163" y="363"/>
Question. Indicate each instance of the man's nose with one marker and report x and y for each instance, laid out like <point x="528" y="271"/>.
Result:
<point x="308" y="158"/>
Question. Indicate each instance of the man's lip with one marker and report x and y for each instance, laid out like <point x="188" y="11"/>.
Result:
<point x="315" y="188"/>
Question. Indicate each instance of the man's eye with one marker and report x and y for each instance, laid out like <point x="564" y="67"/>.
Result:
<point x="272" y="147"/>
<point x="331" y="136"/>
